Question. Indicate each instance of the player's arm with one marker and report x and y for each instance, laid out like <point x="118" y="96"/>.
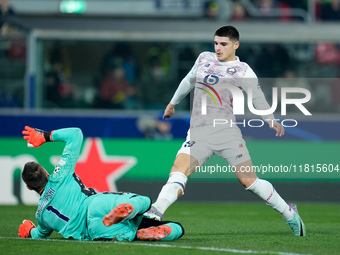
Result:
<point x="260" y="103"/>
<point x="41" y="233"/>
<point x="73" y="137"/>
<point x="28" y="230"/>
<point x="273" y="124"/>
<point x="250" y="82"/>
<point x="183" y="89"/>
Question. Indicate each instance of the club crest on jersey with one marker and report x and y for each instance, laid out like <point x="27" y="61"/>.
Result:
<point x="231" y="70"/>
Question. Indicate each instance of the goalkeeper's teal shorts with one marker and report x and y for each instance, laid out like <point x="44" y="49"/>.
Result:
<point x="103" y="203"/>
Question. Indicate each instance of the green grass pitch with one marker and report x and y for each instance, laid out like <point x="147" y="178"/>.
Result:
<point x="228" y="228"/>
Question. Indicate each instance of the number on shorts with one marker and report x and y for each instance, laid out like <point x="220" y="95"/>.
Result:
<point x="189" y="143"/>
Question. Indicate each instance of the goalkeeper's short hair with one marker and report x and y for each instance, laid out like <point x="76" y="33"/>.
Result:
<point x="34" y="175"/>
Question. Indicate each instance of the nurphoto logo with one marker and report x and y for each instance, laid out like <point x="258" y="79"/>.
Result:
<point x="238" y="102"/>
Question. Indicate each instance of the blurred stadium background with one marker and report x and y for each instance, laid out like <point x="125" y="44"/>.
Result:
<point x="111" y="66"/>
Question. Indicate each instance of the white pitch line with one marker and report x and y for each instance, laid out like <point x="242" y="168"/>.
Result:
<point x="168" y="246"/>
<point x="215" y="249"/>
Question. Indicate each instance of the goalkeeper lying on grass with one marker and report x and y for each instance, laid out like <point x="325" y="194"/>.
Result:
<point x="78" y="212"/>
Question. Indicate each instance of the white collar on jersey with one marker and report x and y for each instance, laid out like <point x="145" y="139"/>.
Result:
<point x="229" y="62"/>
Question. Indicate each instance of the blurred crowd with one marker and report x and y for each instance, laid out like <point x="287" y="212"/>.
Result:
<point x="282" y="10"/>
<point x="6" y="12"/>
<point x="122" y="79"/>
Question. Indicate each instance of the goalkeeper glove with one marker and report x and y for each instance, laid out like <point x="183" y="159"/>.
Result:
<point x="36" y="137"/>
<point x="25" y="229"/>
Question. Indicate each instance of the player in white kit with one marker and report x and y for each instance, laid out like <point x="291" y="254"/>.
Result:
<point x="215" y="78"/>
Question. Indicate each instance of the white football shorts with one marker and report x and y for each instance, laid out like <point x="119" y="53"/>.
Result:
<point x="227" y="143"/>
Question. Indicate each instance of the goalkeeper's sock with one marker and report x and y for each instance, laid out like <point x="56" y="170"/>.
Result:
<point x="267" y="192"/>
<point x="171" y="191"/>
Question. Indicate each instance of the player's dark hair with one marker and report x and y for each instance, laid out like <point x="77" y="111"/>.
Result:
<point x="228" y="31"/>
<point x="34" y="176"/>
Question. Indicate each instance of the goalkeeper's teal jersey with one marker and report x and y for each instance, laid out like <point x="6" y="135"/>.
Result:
<point x="64" y="202"/>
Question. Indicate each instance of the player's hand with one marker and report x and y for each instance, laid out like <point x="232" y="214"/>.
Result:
<point x="273" y="124"/>
<point x="35" y="137"/>
<point x="25" y="229"/>
<point x="169" y="111"/>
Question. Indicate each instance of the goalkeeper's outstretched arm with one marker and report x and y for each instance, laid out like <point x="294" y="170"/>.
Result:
<point x="73" y="137"/>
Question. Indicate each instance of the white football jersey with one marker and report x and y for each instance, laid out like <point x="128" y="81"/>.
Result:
<point x="213" y="81"/>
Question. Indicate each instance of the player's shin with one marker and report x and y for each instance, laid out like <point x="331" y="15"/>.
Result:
<point x="267" y="192"/>
<point x="171" y="191"/>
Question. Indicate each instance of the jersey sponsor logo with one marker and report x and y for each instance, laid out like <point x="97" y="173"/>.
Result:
<point x="208" y="82"/>
<point x="211" y="79"/>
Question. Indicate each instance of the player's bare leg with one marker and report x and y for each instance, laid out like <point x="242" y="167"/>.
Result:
<point x="244" y="173"/>
<point x="265" y="190"/>
<point x="183" y="166"/>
